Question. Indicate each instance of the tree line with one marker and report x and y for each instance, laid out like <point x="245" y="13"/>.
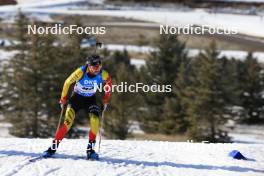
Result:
<point x="208" y="90"/>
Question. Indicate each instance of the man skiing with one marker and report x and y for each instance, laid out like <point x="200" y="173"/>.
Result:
<point x="83" y="97"/>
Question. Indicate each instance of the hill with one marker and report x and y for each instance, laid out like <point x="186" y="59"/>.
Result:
<point x="130" y="158"/>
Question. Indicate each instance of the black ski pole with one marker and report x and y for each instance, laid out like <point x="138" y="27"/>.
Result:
<point x="100" y="130"/>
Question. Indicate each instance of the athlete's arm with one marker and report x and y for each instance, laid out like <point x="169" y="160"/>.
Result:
<point x="75" y="76"/>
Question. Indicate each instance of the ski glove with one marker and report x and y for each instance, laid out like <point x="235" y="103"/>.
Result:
<point x="63" y="101"/>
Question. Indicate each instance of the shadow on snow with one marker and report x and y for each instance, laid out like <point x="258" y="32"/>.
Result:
<point x="135" y="162"/>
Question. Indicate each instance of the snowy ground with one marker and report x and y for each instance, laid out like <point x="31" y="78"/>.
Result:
<point x="245" y="24"/>
<point x="6" y="54"/>
<point x="248" y="134"/>
<point x="4" y="130"/>
<point x="249" y="1"/>
<point x="147" y="49"/>
<point x="191" y="52"/>
<point x="130" y="158"/>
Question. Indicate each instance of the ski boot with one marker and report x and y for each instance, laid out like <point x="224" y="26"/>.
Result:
<point x="51" y="150"/>
<point x="91" y="154"/>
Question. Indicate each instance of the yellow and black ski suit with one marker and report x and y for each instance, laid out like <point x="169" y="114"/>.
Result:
<point x="84" y="98"/>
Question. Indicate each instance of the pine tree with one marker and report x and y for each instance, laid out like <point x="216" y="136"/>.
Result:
<point x="123" y="105"/>
<point x="1" y="88"/>
<point x="162" y="111"/>
<point x="13" y="94"/>
<point x="116" y="58"/>
<point x="230" y="81"/>
<point x="33" y="82"/>
<point x="181" y="83"/>
<point x="27" y="88"/>
<point x="34" y="79"/>
<point x="251" y="84"/>
<point x="206" y="105"/>
<point x="76" y="54"/>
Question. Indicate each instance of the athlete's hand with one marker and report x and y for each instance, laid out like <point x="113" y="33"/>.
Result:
<point x="63" y="101"/>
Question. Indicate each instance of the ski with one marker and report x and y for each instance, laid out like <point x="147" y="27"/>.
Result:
<point x="39" y="158"/>
<point x="36" y="158"/>
<point x="78" y="158"/>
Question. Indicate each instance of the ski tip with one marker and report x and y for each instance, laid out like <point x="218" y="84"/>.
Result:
<point x="47" y="154"/>
<point x="36" y="159"/>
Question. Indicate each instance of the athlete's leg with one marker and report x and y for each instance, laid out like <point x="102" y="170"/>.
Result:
<point x="68" y="121"/>
<point x="64" y="128"/>
<point x="94" y="112"/>
<point x="94" y="128"/>
<point x="72" y="108"/>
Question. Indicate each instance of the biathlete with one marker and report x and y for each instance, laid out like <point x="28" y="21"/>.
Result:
<point x="85" y="79"/>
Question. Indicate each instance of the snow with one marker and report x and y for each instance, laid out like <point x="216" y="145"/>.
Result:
<point x="247" y="138"/>
<point x="135" y="128"/>
<point x="4" y="129"/>
<point x="245" y="24"/>
<point x="130" y="48"/>
<point x="137" y="62"/>
<point x="46" y="2"/>
<point x="5" y="42"/>
<point x="41" y="17"/>
<point x="147" y="49"/>
<point x="237" y="54"/>
<point x="8" y="12"/>
<point x="231" y="54"/>
<point x="247" y="134"/>
<point x="130" y="158"/>
<point x="248" y="1"/>
<point x="250" y="129"/>
<point x="7" y="54"/>
<point x="49" y="3"/>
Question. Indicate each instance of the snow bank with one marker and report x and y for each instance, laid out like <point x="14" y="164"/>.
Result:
<point x="4" y="129"/>
<point x="248" y="1"/>
<point x="130" y="158"/>
<point x="130" y="48"/>
<point x="231" y="54"/>
<point x="49" y="3"/>
<point x="191" y="52"/>
<point x="137" y="62"/>
<point x="7" y="54"/>
<point x="245" y="24"/>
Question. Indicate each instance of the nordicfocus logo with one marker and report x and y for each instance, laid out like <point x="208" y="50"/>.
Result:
<point x="197" y="30"/>
<point x="59" y="29"/>
<point x="133" y="88"/>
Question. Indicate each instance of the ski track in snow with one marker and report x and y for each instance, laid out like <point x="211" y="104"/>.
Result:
<point x="129" y="158"/>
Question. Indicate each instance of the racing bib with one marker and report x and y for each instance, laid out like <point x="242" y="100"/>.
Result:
<point x="87" y="86"/>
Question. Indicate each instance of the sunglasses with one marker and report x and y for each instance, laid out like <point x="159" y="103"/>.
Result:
<point x="95" y="63"/>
